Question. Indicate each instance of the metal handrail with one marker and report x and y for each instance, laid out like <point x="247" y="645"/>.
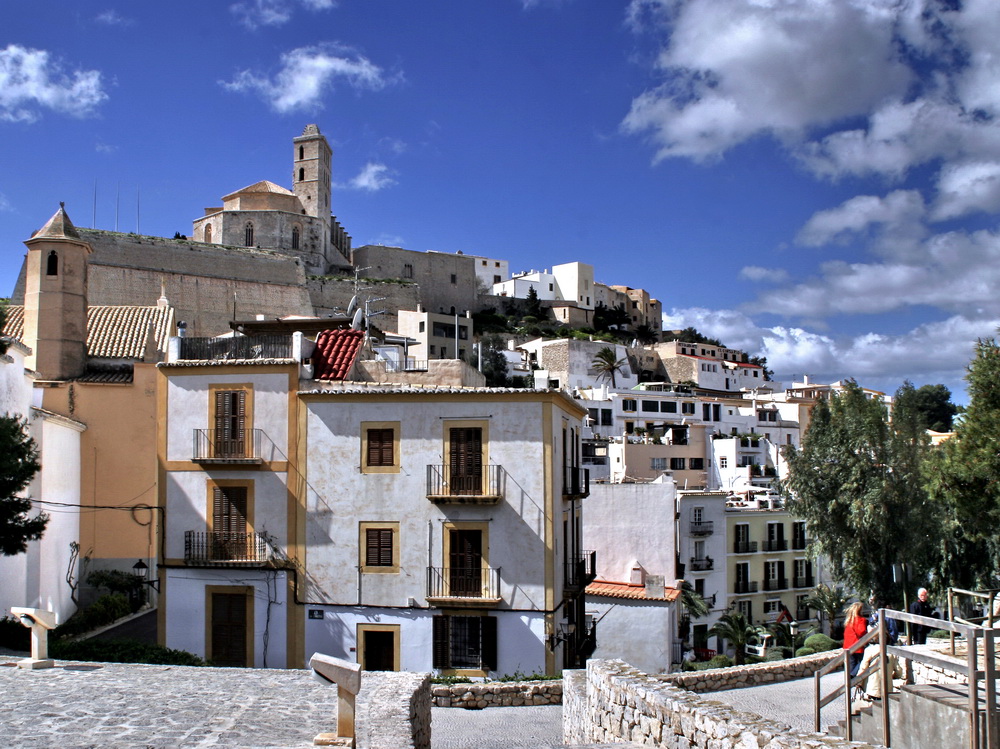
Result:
<point x="463" y="582"/>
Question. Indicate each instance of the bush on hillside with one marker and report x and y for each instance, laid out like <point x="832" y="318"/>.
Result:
<point x="804" y="651"/>
<point x="105" y="610"/>
<point x="820" y="643"/>
<point x="123" y="651"/>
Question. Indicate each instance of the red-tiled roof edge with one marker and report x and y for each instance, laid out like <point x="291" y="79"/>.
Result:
<point x="336" y="352"/>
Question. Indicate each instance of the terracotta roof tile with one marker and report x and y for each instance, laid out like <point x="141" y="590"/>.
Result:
<point x="335" y="354"/>
<point x="112" y="332"/>
<point x="608" y="589"/>
<point x="262" y="186"/>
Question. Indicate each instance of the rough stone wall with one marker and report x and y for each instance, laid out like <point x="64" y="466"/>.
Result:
<point x="479" y="695"/>
<point x="394" y="711"/>
<point x="555" y="358"/>
<point x="624" y="704"/>
<point x="574" y="710"/>
<point x="332" y="295"/>
<point x="737" y="677"/>
<point x="681" y="369"/>
<point x="453" y="372"/>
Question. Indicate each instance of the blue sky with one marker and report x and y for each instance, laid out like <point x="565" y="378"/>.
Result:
<point x="817" y="181"/>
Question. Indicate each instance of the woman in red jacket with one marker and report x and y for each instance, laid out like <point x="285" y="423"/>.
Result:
<point x="855" y="627"/>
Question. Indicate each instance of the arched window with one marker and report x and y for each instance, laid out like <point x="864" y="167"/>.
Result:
<point x="295" y="237"/>
<point x="249" y="234"/>
<point x="208" y="233"/>
<point x="52" y="266"/>
<point x="302" y="174"/>
<point x="302" y="154"/>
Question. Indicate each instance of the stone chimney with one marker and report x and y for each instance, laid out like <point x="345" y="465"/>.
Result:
<point x="55" y="299"/>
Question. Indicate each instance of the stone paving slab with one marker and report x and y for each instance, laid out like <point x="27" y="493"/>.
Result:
<point x="790" y="702"/>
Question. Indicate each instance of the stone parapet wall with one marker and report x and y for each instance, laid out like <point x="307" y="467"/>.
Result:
<point x="624" y="704"/>
<point x="479" y="695"/>
<point x="394" y="710"/>
<point x="737" y="677"/>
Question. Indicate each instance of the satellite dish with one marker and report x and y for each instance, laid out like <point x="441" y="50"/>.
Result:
<point x="353" y="305"/>
<point x="359" y="317"/>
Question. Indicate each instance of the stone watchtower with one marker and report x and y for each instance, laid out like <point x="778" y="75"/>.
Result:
<point x="312" y="174"/>
<point x="55" y="299"/>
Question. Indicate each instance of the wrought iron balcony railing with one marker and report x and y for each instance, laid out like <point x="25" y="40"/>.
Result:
<point x="582" y="571"/>
<point x="745" y="587"/>
<point x="465" y="584"/>
<point x="745" y="547"/>
<point x="799" y="544"/>
<point x="216" y="446"/>
<point x="209" y="548"/>
<point x="702" y="528"/>
<point x="237" y="347"/>
<point x="776" y="545"/>
<point x="576" y="481"/>
<point x="801" y="614"/>
<point x="777" y="583"/>
<point x="806" y="581"/>
<point x="466" y="485"/>
<point x="701" y="564"/>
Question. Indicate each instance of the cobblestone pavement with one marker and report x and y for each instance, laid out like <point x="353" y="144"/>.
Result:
<point x="789" y="702"/>
<point x="496" y="727"/>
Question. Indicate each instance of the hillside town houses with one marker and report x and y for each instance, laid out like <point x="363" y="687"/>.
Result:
<point x="330" y="472"/>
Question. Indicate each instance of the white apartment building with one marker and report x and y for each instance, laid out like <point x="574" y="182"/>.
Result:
<point x="437" y="336"/>
<point x="572" y="283"/>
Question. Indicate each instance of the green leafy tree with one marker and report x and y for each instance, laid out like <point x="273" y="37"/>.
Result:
<point x="645" y="334"/>
<point x="761" y="361"/>
<point x="532" y="307"/>
<point x="690" y="335"/>
<point x="18" y="465"/>
<point x="494" y="362"/>
<point x="828" y="603"/>
<point x="856" y="481"/>
<point x="963" y="479"/>
<point x="606" y="363"/>
<point x="692" y="601"/>
<point x="737" y="630"/>
<point x="935" y="407"/>
<point x="610" y="318"/>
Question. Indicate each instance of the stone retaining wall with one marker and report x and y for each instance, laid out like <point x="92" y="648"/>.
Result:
<point x="737" y="677"/>
<point x="478" y="695"/>
<point x="394" y="710"/>
<point x="624" y="704"/>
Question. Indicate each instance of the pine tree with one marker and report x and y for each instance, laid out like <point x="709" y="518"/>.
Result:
<point x="18" y="465"/>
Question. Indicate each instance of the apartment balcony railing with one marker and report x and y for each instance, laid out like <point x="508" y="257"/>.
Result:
<point x="576" y="481"/>
<point x="701" y="564"/>
<point x="703" y="528"/>
<point x="477" y="586"/>
<point x="584" y="641"/>
<point x="582" y="571"/>
<point x="745" y="587"/>
<point x="484" y="485"/>
<point x="745" y="547"/>
<point x="216" y="446"/>
<point x="410" y="365"/>
<point x="801" y="614"/>
<point x="776" y="545"/>
<point x="807" y="581"/>
<point x="237" y="347"/>
<point x="777" y="583"/>
<point x="799" y="544"/>
<point x="244" y="549"/>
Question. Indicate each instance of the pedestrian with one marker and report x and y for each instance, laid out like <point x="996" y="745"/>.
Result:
<point x="855" y="627"/>
<point x="920" y="607"/>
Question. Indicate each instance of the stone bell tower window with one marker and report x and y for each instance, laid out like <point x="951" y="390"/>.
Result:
<point x="208" y="232"/>
<point x="249" y="234"/>
<point x="52" y="264"/>
<point x="302" y="174"/>
<point x="295" y="237"/>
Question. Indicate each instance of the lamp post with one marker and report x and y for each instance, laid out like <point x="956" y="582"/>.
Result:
<point x="141" y="569"/>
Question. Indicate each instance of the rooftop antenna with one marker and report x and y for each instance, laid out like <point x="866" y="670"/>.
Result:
<point x="93" y="224"/>
<point x="137" y="209"/>
<point x="118" y="194"/>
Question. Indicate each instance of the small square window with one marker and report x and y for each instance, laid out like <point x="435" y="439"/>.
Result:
<point x="379" y="547"/>
<point x="454" y="278"/>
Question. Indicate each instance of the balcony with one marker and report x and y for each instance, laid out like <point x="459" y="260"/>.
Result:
<point x="584" y="641"/>
<point x="236" y="347"/>
<point x="703" y="528"/>
<point x="799" y="543"/>
<point x="582" y="571"/>
<point x="808" y="581"/>
<point x="468" y="586"/>
<point x="215" y="447"/>
<point x="776" y="545"/>
<point x="202" y="548"/>
<point x="801" y="614"/>
<point x="743" y="586"/>
<point x="576" y="482"/>
<point x="777" y="583"/>
<point x="745" y="547"/>
<point x="701" y="564"/>
<point x="480" y="485"/>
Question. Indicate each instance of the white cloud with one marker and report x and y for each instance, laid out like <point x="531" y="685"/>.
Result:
<point x="113" y="18"/>
<point x="372" y="178"/>
<point x="30" y="80"/>
<point x="965" y="188"/>
<point x="256" y="13"/>
<point x="898" y="209"/>
<point x="769" y="275"/>
<point x="5" y="205"/>
<point x="307" y="73"/>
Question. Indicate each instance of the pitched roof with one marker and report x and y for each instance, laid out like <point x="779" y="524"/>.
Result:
<point x="608" y="589"/>
<point x="262" y="186"/>
<point x="335" y="354"/>
<point x="117" y="332"/>
<point x="57" y="227"/>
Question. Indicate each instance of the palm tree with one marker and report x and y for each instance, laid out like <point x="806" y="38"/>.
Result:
<point x="737" y="630"/>
<point x="693" y="602"/>
<point x="644" y="334"/>
<point x="828" y="602"/>
<point x="606" y="364"/>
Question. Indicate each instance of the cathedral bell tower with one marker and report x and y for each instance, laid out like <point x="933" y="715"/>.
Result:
<point x="55" y="299"/>
<point x="312" y="175"/>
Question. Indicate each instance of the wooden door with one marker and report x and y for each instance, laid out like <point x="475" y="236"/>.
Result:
<point x="466" y="460"/>
<point x="465" y="574"/>
<point x="229" y="629"/>
<point x="378" y="650"/>
<point x="229" y="523"/>
<point x="230" y="424"/>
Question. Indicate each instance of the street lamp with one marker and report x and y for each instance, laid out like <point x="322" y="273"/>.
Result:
<point x="141" y="569"/>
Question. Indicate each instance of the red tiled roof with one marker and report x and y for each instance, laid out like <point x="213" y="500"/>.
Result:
<point x="336" y="352"/>
<point x="608" y="589"/>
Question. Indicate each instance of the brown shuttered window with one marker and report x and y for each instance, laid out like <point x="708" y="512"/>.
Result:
<point x="230" y="423"/>
<point x="378" y="547"/>
<point x="230" y="509"/>
<point x="379" y="447"/>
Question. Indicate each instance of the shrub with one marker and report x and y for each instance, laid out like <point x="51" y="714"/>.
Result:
<point x="820" y="643"/>
<point x="104" y="610"/>
<point x="775" y="655"/>
<point x="123" y="651"/>
<point x="518" y="676"/>
<point x="804" y="651"/>
<point x="14" y="635"/>
<point x="720" y="661"/>
<point x="939" y="634"/>
<point x="449" y="680"/>
<point x="116" y="581"/>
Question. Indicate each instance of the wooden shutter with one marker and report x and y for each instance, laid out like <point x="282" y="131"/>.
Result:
<point x="442" y="642"/>
<point x="229" y="509"/>
<point x="781" y="571"/>
<point x="379" y="447"/>
<point x="466" y="460"/>
<point x="230" y="422"/>
<point x="488" y="642"/>
<point x="378" y="547"/>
